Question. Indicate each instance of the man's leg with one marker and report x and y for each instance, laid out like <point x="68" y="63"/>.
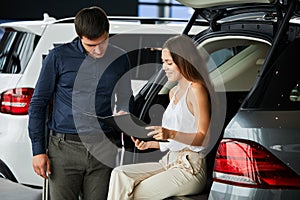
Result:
<point x="67" y="160"/>
<point x="96" y="180"/>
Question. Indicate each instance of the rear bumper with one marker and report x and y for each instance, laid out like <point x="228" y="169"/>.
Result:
<point x="11" y="190"/>
<point x="226" y="191"/>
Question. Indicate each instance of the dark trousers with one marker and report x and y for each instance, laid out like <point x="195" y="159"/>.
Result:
<point x="75" y="171"/>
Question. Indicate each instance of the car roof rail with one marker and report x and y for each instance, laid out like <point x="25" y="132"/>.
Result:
<point x="47" y="18"/>
<point x="141" y="20"/>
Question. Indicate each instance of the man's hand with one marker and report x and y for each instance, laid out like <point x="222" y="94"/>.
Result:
<point x="41" y="165"/>
<point x="121" y="112"/>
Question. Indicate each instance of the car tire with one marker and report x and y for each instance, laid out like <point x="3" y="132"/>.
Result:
<point x="6" y="173"/>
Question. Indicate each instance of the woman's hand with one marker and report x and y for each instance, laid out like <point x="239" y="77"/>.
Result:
<point x="141" y="145"/>
<point x="160" y="133"/>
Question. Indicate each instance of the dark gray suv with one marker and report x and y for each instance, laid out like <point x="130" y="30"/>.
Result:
<point x="252" y="49"/>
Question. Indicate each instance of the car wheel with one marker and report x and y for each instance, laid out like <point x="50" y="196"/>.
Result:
<point x="6" y="173"/>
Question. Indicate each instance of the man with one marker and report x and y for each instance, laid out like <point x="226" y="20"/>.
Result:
<point x="79" y="78"/>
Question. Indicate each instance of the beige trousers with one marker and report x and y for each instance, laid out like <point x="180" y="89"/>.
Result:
<point x="176" y="174"/>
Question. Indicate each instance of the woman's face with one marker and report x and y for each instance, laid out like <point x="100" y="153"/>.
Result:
<point x="169" y="66"/>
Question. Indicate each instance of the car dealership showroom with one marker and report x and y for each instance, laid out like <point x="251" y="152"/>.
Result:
<point x="214" y="117"/>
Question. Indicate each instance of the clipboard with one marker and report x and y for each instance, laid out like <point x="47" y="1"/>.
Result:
<point x="130" y="125"/>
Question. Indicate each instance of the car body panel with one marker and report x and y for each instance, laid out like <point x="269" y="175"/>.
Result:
<point x="132" y="25"/>
<point x="8" y="81"/>
<point x="15" y="149"/>
<point x="277" y="131"/>
<point x="230" y="192"/>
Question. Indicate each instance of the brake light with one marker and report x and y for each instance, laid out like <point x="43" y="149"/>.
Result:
<point x="245" y="163"/>
<point x="16" y="101"/>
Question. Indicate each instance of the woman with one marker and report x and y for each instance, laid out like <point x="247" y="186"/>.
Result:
<point x="185" y="123"/>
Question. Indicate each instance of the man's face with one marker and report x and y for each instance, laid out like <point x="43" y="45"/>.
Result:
<point x="95" y="48"/>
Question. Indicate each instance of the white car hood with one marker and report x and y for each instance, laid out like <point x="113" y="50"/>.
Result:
<point x="212" y="3"/>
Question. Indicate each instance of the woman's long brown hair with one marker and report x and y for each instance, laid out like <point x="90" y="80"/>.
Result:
<point x="186" y="56"/>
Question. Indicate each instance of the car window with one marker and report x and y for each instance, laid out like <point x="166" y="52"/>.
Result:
<point x="16" y="49"/>
<point x="220" y="56"/>
<point x="145" y="63"/>
<point x="234" y="62"/>
<point x="279" y="87"/>
<point x="144" y="52"/>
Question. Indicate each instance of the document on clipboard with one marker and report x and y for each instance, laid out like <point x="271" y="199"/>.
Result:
<point x="130" y="125"/>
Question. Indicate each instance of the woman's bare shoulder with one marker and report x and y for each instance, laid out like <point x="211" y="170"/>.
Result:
<point x="198" y="87"/>
<point x="198" y="90"/>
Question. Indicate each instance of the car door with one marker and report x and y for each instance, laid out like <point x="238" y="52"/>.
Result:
<point x="234" y="55"/>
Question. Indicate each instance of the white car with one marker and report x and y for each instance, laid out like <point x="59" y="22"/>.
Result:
<point x="22" y="49"/>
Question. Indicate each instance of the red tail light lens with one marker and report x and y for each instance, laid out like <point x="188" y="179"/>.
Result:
<point x="245" y="163"/>
<point x="16" y="101"/>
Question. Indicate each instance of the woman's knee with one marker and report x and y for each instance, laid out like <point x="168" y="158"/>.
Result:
<point x="116" y="172"/>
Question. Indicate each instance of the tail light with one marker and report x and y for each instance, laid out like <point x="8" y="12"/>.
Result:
<point x="16" y="101"/>
<point x="245" y="163"/>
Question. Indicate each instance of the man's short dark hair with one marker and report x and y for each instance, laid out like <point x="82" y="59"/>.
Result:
<point x="91" y="22"/>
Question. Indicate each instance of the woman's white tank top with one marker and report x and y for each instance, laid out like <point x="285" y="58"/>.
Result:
<point x="179" y="118"/>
